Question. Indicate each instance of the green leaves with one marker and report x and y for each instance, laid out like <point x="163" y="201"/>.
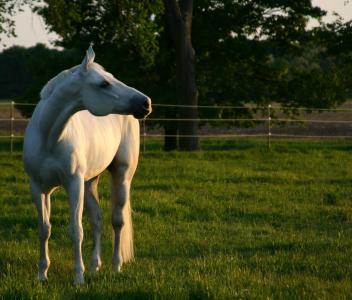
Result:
<point x="127" y="25"/>
<point x="7" y="23"/>
<point x="262" y="51"/>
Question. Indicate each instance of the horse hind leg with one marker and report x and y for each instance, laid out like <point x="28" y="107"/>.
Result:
<point x="91" y="200"/>
<point x="121" y="215"/>
<point x="42" y="202"/>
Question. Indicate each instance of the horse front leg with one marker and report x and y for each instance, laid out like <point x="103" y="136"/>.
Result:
<point x="91" y="201"/>
<point x="76" y="195"/>
<point x="42" y="203"/>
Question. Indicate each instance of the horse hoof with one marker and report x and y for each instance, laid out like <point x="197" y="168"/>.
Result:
<point x="79" y="279"/>
<point x="94" y="269"/>
<point x="95" y="265"/>
<point x="116" y="268"/>
<point x="42" y="277"/>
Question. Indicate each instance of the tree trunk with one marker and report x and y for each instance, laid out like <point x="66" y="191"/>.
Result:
<point x="179" y="20"/>
<point x="170" y="139"/>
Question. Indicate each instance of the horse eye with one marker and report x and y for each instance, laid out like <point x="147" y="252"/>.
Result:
<point x="105" y="84"/>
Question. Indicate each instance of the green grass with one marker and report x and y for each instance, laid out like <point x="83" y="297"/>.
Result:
<point x="237" y="223"/>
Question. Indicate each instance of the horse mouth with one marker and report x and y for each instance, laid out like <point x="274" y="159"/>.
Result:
<point x="144" y="110"/>
<point x="143" y="114"/>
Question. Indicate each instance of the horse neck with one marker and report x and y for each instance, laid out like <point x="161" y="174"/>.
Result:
<point x="55" y="114"/>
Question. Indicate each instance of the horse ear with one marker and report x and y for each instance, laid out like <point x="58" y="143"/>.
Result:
<point x="89" y="58"/>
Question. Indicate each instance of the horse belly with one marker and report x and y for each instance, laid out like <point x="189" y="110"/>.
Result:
<point x="100" y="147"/>
<point x="98" y="158"/>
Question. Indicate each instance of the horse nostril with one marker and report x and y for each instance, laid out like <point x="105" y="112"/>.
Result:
<point x="147" y="103"/>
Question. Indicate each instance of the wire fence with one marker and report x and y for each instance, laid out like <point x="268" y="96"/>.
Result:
<point x="269" y="122"/>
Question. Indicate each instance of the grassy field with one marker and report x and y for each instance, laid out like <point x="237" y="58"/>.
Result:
<point x="241" y="222"/>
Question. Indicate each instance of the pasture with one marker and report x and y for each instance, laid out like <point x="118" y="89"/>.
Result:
<point x="233" y="221"/>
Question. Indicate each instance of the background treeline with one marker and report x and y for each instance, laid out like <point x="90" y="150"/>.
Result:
<point x="246" y="51"/>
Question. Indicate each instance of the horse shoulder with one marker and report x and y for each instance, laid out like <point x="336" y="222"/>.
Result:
<point x="128" y="151"/>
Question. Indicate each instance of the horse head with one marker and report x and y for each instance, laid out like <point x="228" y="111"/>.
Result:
<point x="103" y="94"/>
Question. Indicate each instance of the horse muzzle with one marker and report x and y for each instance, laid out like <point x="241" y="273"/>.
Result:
<point x="143" y="107"/>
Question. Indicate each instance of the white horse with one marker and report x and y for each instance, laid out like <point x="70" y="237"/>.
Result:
<point x="82" y="126"/>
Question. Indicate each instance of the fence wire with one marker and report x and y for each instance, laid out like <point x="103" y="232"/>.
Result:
<point x="10" y="128"/>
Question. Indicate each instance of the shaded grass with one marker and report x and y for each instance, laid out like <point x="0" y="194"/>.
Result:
<point x="240" y="222"/>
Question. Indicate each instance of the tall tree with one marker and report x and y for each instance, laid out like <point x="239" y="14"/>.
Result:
<point x="179" y="25"/>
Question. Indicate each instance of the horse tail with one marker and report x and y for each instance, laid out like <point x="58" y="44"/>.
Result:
<point x="126" y="236"/>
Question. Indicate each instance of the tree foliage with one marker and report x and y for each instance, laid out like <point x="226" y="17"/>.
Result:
<point x="239" y="58"/>
<point x="8" y="10"/>
<point x="24" y="71"/>
<point x="7" y="24"/>
<point x="127" y="26"/>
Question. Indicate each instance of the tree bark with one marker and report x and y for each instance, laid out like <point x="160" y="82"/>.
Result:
<point x="179" y="21"/>
<point x="170" y="141"/>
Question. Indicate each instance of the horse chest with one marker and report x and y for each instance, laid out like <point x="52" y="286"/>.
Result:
<point x="53" y="172"/>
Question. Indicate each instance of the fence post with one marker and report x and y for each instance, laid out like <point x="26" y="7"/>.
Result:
<point x="269" y="126"/>
<point x="12" y="119"/>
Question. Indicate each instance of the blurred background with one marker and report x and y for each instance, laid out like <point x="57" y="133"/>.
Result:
<point x="212" y="68"/>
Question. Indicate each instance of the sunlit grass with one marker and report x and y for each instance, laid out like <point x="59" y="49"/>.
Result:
<point x="241" y="222"/>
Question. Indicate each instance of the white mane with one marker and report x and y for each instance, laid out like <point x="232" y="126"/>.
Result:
<point x="50" y="86"/>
